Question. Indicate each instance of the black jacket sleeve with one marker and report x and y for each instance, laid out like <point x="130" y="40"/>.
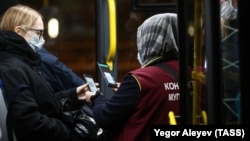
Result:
<point x="34" y="125"/>
<point x="112" y="113"/>
<point x="35" y="116"/>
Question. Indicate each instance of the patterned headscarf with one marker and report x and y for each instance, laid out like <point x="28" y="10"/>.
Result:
<point x="156" y="36"/>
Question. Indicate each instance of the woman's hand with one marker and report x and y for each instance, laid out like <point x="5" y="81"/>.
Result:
<point x="83" y="92"/>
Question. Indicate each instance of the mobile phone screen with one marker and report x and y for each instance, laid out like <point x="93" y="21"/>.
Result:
<point x="106" y="73"/>
<point x="89" y="79"/>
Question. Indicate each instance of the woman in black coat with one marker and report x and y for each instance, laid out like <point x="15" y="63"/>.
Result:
<point x="34" y="110"/>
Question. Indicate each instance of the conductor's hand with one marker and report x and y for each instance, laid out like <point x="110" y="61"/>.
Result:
<point x="117" y="86"/>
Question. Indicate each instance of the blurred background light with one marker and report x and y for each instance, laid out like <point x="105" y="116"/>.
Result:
<point x="53" y="28"/>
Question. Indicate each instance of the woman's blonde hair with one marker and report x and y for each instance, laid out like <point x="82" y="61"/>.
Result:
<point x="19" y="15"/>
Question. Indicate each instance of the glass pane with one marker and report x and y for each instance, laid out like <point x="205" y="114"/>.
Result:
<point x="156" y="1"/>
<point x="230" y="61"/>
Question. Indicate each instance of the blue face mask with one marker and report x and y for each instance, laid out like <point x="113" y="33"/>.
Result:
<point x="36" y="43"/>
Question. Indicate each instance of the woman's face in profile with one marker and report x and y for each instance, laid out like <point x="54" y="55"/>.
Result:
<point x="36" y="30"/>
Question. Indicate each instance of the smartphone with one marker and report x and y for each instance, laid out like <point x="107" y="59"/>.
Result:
<point x="89" y="79"/>
<point x="106" y="73"/>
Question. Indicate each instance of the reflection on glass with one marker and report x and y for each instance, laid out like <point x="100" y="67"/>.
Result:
<point x="156" y="1"/>
<point x="230" y="61"/>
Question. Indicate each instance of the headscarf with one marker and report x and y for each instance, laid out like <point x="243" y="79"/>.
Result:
<point x="156" y="36"/>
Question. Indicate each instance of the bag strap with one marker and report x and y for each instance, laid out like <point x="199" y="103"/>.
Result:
<point x="169" y="70"/>
<point x="173" y="73"/>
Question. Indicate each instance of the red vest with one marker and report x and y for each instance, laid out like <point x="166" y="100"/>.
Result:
<point x="159" y="95"/>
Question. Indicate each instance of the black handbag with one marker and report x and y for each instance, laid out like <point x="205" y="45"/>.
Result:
<point x="80" y="122"/>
